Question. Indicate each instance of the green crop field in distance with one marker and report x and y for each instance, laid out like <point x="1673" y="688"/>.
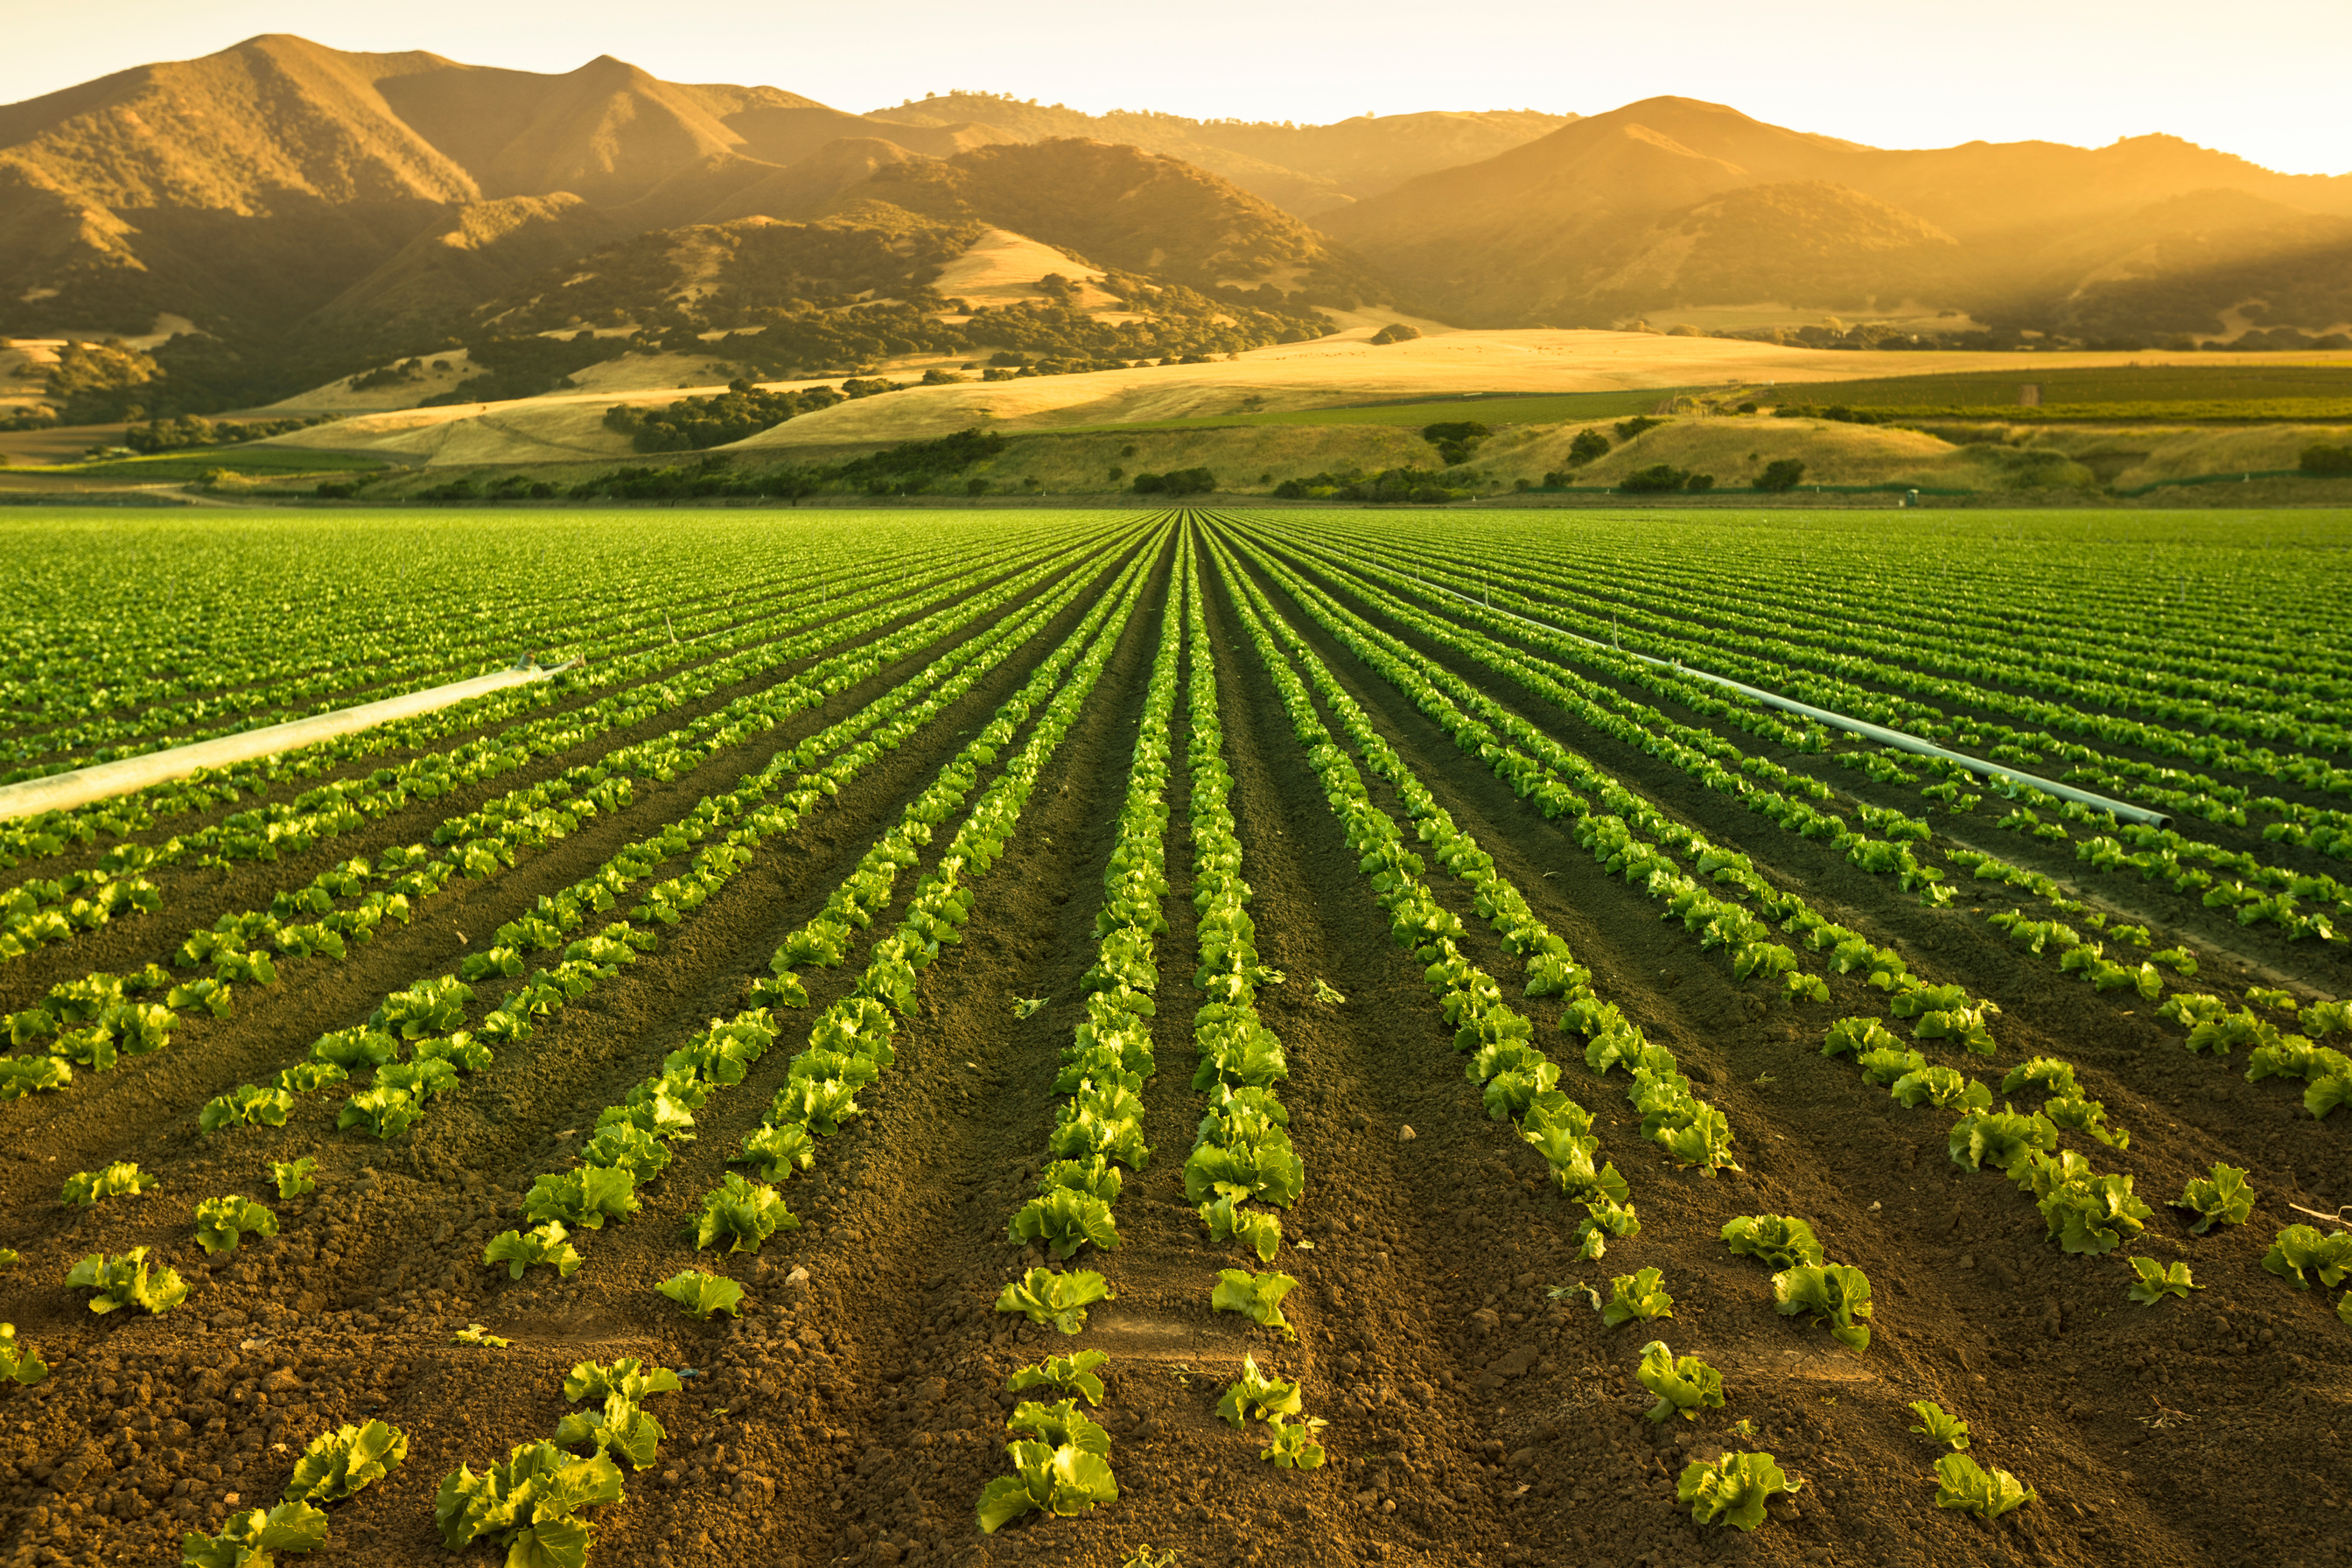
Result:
<point x="2286" y="391"/>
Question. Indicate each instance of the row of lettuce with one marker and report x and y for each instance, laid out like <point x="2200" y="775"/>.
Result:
<point x="90" y="1022"/>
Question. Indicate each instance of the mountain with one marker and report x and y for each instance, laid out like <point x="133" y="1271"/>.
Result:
<point x="315" y="211"/>
<point x="1307" y="169"/>
<point x="1120" y="206"/>
<point x="1676" y="203"/>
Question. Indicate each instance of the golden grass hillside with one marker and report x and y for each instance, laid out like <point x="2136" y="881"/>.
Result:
<point x="1340" y="370"/>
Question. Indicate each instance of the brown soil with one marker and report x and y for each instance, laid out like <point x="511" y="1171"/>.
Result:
<point x="853" y="1416"/>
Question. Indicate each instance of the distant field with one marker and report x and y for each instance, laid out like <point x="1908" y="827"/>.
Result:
<point x="1554" y="408"/>
<point x="2284" y="392"/>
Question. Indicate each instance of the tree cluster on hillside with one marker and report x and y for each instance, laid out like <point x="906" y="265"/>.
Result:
<point x="189" y="430"/>
<point x="697" y="423"/>
<point x="1424" y="486"/>
<point x="913" y="468"/>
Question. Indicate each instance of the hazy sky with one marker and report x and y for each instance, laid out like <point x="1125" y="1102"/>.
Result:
<point x="2264" y="78"/>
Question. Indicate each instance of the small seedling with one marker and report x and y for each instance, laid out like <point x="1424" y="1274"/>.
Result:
<point x="1938" y="1427"/>
<point x="2153" y="1281"/>
<point x="1633" y="1295"/>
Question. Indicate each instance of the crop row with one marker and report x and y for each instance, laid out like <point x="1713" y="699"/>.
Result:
<point x="2084" y="1211"/>
<point x="186" y="697"/>
<point x="669" y="672"/>
<point x="2274" y="882"/>
<point x="2053" y="940"/>
<point x="94" y="1018"/>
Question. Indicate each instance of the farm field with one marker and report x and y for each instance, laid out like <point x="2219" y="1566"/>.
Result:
<point x="1344" y="970"/>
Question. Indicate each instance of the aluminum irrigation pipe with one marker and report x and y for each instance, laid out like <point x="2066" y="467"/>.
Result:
<point x="1878" y="732"/>
<point x="61" y="791"/>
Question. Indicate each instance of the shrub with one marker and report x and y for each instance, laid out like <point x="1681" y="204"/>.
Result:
<point x="1182" y="482"/>
<point x="1780" y="476"/>
<point x="1657" y="478"/>
<point x="2327" y="461"/>
<point x="1588" y="445"/>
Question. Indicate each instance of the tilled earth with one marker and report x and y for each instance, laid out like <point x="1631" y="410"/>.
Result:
<point x="1478" y="1411"/>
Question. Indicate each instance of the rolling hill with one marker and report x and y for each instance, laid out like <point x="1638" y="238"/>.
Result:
<point x="318" y="213"/>
<point x="1672" y="202"/>
<point x="1307" y="169"/>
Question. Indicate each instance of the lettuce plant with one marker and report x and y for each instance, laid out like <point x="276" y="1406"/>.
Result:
<point x="743" y="1214"/>
<point x="85" y="1188"/>
<point x="2153" y="1281"/>
<point x="589" y="1195"/>
<point x="352" y="1050"/>
<point x="595" y="1379"/>
<point x="122" y="1282"/>
<point x="1776" y="1240"/>
<point x="617" y="1424"/>
<point x="1065" y="1221"/>
<point x="18" y="1362"/>
<point x="1291" y="1445"/>
<point x="1885" y="1065"/>
<point x="1967" y="1026"/>
<point x="1937" y="1425"/>
<point x="1633" y="1295"/>
<point x="1257" y="1296"/>
<point x="1068" y="1375"/>
<point x="1835" y="1294"/>
<point x="1226" y="1220"/>
<point x="383" y="1112"/>
<point x="2093" y="1213"/>
<point x="248" y="1105"/>
<point x="1603" y="1220"/>
<point x="1998" y="1138"/>
<point x="699" y="1293"/>
<point x="549" y="1244"/>
<point x="295" y="1177"/>
<point x="1733" y="1489"/>
<point x="1064" y="1481"/>
<point x="1961" y="1483"/>
<point x="221" y="1223"/>
<point x="347" y="1461"/>
<point x="460" y="1050"/>
<point x="247" y="1539"/>
<point x="2042" y="1174"/>
<point x="1061" y="1423"/>
<point x="2048" y="1073"/>
<point x="303" y="1078"/>
<point x="2221" y="1198"/>
<point x="1944" y="1087"/>
<point x="2298" y="1252"/>
<point x="474" y="1334"/>
<point x="528" y="1505"/>
<point x="820" y="1105"/>
<point x="23" y="1075"/>
<point x="1684" y="1384"/>
<point x="1258" y="1397"/>
<point x="428" y="1007"/>
<point x="1857" y="1036"/>
<point x="2074" y="1113"/>
<point x="1098" y="1178"/>
<point x="779" y="1151"/>
<point x="624" y="1146"/>
<point x="1044" y="1296"/>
